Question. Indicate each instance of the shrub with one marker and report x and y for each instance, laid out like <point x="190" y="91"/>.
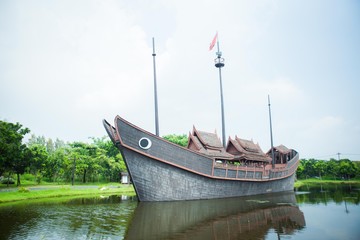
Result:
<point x="28" y="177"/>
<point x="5" y="180"/>
<point x="23" y="190"/>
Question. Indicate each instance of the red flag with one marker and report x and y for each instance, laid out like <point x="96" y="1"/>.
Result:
<point x="212" y="44"/>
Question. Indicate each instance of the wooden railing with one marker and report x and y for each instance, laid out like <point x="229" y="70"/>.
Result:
<point x="231" y="171"/>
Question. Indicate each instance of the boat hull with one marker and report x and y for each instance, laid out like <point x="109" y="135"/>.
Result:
<point x="158" y="181"/>
<point x="163" y="171"/>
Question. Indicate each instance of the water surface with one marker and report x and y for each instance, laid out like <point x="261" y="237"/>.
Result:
<point x="325" y="212"/>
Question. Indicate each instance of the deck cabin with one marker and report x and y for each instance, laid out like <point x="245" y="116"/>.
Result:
<point x="282" y="154"/>
<point x="208" y="144"/>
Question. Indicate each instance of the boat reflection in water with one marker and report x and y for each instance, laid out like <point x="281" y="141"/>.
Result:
<point x="246" y="218"/>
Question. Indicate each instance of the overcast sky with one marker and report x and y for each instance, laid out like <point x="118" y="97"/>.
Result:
<point x="66" y="65"/>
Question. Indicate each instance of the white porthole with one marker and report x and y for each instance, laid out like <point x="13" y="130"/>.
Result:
<point x="144" y="143"/>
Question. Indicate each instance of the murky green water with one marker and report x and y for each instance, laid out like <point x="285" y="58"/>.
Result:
<point x="327" y="212"/>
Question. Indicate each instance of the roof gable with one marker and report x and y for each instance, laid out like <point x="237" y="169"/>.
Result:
<point x="209" y="140"/>
<point x="281" y="149"/>
<point x="208" y="144"/>
<point x="246" y="150"/>
<point x="248" y="145"/>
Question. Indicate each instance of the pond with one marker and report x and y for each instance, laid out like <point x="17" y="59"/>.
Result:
<point x="324" y="212"/>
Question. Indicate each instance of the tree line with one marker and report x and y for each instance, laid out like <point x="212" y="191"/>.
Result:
<point x="332" y="169"/>
<point x="100" y="160"/>
<point x="57" y="161"/>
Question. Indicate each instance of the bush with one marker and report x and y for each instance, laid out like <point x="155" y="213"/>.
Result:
<point x="28" y="177"/>
<point x="23" y="190"/>
<point x="5" y="180"/>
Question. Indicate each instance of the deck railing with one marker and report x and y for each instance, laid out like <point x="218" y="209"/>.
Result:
<point x="230" y="171"/>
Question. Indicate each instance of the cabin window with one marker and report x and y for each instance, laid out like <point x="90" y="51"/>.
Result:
<point x="144" y="143"/>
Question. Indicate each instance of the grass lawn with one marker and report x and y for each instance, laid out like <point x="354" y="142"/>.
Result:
<point x="315" y="181"/>
<point x="54" y="191"/>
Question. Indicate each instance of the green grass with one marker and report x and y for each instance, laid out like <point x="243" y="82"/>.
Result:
<point x="25" y="193"/>
<point x="314" y="182"/>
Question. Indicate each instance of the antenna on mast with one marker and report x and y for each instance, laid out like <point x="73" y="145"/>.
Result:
<point x="155" y="92"/>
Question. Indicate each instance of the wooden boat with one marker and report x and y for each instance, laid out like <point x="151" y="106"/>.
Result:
<point x="163" y="171"/>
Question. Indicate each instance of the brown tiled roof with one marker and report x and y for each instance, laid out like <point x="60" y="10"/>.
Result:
<point x="281" y="149"/>
<point x="246" y="150"/>
<point x="248" y="145"/>
<point x="208" y="139"/>
<point x="208" y="144"/>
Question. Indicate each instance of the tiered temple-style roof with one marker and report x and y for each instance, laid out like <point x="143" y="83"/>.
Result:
<point x="208" y="144"/>
<point x="246" y="150"/>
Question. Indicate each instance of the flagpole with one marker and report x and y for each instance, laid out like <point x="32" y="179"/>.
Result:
<point x="155" y="92"/>
<point x="219" y="63"/>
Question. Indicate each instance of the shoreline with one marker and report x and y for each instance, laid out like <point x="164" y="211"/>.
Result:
<point x="49" y="192"/>
<point x="42" y="192"/>
<point x="314" y="182"/>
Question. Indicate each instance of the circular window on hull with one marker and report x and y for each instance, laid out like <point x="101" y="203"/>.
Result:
<point x="144" y="143"/>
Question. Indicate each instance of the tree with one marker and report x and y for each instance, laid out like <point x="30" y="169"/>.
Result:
<point x="59" y="144"/>
<point x="300" y="169"/>
<point x="309" y="168"/>
<point x="347" y="168"/>
<point x="13" y="153"/>
<point x="320" y="167"/>
<point x="332" y="168"/>
<point x="107" y="145"/>
<point x="50" y="148"/>
<point x="39" y="157"/>
<point x="36" y="140"/>
<point x="181" y="140"/>
<point x="55" y="163"/>
<point x="112" y="162"/>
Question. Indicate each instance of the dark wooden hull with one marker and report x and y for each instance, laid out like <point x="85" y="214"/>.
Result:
<point x="168" y="172"/>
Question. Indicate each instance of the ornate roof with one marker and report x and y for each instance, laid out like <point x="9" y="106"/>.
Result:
<point x="208" y="144"/>
<point x="281" y="149"/>
<point x="243" y="149"/>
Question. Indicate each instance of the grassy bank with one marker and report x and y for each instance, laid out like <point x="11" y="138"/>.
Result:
<point x="27" y="193"/>
<point x="314" y="182"/>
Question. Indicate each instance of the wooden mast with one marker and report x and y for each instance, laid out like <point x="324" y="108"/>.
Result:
<point x="219" y="63"/>
<point x="155" y="92"/>
<point x="271" y="136"/>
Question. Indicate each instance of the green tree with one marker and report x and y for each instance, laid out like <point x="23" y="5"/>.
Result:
<point x="112" y="164"/>
<point x="50" y="148"/>
<point x="13" y="152"/>
<point x="347" y="168"/>
<point x="300" y="169"/>
<point x="332" y="169"/>
<point x="39" y="157"/>
<point x="181" y="140"/>
<point x="107" y="145"/>
<point x="320" y="167"/>
<point x="55" y="163"/>
<point x="59" y="143"/>
<point x="85" y="160"/>
<point x="36" y="140"/>
<point x="309" y="168"/>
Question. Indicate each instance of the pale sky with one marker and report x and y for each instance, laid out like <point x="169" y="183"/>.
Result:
<point x="66" y="65"/>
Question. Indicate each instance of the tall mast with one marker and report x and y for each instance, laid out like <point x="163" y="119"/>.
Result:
<point x="155" y="92"/>
<point x="219" y="63"/>
<point x="271" y="136"/>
